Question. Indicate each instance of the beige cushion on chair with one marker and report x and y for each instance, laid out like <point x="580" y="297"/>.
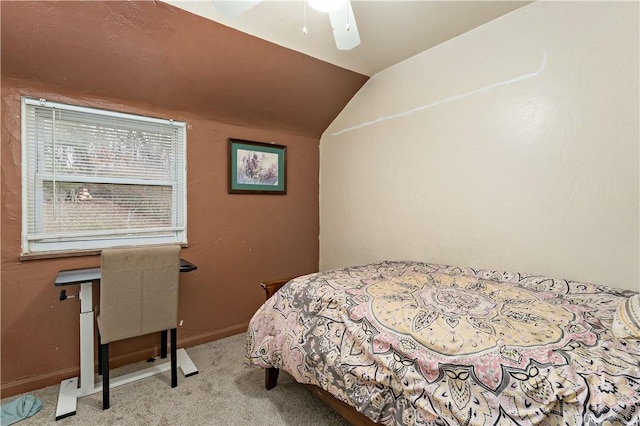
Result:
<point x="138" y="291"/>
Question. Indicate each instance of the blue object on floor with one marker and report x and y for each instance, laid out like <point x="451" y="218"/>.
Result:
<point x="19" y="409"/>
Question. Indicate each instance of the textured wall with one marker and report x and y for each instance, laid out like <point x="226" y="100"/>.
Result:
<point x="155" y="54"/>
<point x="235" y="240"/>
<point x="154" y="59"/>
<point x="514" y="146"/>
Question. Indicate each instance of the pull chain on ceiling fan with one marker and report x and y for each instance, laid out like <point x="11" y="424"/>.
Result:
<point x="343" y="22"/>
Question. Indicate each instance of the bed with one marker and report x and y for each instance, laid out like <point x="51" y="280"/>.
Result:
<point x="415" y="343"/>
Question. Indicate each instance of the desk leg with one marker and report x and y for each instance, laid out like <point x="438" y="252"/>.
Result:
<point x="67" y="398"/>
<point x="87" y="383"/>
<point x="185" y="364"/>
<point x="69" y="391"/>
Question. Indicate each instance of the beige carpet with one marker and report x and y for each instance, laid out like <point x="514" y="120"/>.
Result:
<point x="225" y="392"/>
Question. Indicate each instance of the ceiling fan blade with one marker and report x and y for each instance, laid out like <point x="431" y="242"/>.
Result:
<point x="345" y="30"/>
<point x="234" y="8"/>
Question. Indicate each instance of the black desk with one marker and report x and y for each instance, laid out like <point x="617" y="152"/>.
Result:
<point x="84" y="275"/>
<point x="69" y="390"/>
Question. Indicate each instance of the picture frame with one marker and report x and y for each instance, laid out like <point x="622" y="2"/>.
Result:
<point x="257" y="167"/>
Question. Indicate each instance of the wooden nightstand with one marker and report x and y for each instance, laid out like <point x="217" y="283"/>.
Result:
<point x="270" y="287"/>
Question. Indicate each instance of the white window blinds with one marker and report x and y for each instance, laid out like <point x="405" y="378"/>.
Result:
<point x="95" y="178"/>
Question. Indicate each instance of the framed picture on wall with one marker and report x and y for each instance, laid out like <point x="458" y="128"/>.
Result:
<point x="257" y="168"/>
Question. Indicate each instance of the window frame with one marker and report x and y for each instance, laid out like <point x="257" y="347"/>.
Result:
<point x="34" y="243"/>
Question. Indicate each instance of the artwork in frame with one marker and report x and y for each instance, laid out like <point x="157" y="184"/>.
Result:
<point x="257" y="167"/>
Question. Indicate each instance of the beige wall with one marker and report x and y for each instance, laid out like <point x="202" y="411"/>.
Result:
<point x="514" y="146"/>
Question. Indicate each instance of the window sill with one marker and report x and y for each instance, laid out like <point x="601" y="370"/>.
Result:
<point x="63" y="254"/>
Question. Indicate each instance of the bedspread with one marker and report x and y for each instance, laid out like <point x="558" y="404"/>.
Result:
<point x="417" y="343"/>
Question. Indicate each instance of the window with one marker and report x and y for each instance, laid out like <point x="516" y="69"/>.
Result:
<point x="93" y="179"/>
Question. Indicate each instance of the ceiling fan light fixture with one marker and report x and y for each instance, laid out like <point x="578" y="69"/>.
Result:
<point x="326" y="5"/>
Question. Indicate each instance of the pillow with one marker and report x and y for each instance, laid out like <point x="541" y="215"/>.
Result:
<point x="626" y="320"/>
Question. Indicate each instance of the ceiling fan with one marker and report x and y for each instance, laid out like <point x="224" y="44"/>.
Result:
<point x="343" y="22"/>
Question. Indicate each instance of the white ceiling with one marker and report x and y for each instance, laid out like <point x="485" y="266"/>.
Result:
<point x="390" y="30"/>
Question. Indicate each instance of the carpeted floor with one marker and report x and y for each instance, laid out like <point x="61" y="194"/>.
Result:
<point x="225" y="392"/>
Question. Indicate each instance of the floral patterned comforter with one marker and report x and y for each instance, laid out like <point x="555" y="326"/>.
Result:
<point x="416" y="343"/>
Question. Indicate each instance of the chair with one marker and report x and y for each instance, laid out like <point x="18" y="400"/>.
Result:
<point x="138" y="296"/>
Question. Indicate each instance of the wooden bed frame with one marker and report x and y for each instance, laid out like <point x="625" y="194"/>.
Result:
<point x="348" y="412"/>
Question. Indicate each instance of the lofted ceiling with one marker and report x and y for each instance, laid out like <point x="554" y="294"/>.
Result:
<point x="390" y="30"/>
<point x="168" y="61"/>
<point x="189" y="60"/>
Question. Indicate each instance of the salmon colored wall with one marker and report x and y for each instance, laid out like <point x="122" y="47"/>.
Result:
<point x="235" y="240"/>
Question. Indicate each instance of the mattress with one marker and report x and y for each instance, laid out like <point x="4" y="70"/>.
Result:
<point x="415" y="343"/>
